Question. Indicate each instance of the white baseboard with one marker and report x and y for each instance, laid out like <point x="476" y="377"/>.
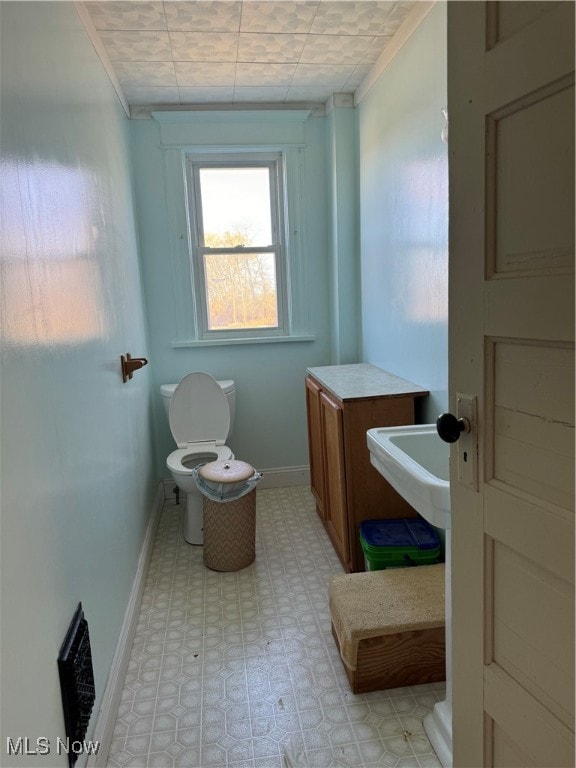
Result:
<point x="284" y="477"/>
<point x="104" y="728"/>
<point x="279" y="477"/>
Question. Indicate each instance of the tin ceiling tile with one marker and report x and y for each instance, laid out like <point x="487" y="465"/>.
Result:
<point x="204" y="46"/>
<point x="145" y="73"/>
<point x="127" y="14"/>
<point x="278" y="17"/>
<point x="240" y="44"/>
<point x="260" y="93"/>
<point x="270" y="47"/>
<point x="351" y="18"/>
<point x="336" y="49"/>
<point x="207" y="16"/>
<point x="323" y="74"/>
<point x="137" y="45"/>
<point x="264" y="74"/>
<point x="206" y="94"/>
<point x="204" y="74"/>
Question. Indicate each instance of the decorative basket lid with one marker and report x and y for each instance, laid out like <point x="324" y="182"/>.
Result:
<point x="230" y="471"/>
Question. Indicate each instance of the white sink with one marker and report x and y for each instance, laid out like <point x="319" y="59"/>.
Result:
<point x="415" y="461"/>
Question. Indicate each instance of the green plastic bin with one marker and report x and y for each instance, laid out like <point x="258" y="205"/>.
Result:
<point x="398" y="543"/>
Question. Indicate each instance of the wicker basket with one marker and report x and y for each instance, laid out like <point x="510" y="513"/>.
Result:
<point x="230" y="533"/>
<point x="229" y="524"/>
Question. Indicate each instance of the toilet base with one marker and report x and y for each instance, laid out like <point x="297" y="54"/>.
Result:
<point x="193" y="526"/>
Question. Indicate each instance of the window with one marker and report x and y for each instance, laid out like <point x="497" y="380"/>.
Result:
<point x="283" y="151"/>
<point x="238" y="244"/>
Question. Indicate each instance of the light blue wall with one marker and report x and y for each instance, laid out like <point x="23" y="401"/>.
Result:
<point x="404" y="215"/>
<point x="270" y="428"/>
<point x="77" y="479"/>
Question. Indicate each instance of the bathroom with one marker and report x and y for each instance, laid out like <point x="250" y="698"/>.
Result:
<point x="83" y="455"/>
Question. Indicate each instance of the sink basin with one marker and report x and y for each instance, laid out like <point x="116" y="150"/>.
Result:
<point x="414" y="460"/>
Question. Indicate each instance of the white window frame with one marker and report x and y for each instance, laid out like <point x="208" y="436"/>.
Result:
<point x="274" y="161"/>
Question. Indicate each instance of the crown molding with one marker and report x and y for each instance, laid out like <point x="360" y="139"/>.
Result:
<point x="340" y="101"/>
<point x="410" y="24"/>
<point x="101" y="52"/>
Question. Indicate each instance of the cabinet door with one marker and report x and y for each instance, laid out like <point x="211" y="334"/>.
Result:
<point x="369" y="495"/>
<point x="335" y="507"/>
<point x="315" y="449"/>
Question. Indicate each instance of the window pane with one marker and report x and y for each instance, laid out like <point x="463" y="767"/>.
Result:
<point x="235" y="207"/>
<point x="241" y="290"/>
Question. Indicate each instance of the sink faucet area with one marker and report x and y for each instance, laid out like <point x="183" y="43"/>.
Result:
<point x="415" y="461"/>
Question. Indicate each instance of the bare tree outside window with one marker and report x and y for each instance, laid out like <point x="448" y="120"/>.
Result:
<point x="241" y="287"/>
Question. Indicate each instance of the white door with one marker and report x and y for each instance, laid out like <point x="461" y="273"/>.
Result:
<point x="511" y="149"/>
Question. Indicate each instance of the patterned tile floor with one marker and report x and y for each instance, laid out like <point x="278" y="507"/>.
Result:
<point x="229" y="670"/>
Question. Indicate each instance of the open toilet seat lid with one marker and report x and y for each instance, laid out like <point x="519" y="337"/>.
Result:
<point x="199" y="411"/>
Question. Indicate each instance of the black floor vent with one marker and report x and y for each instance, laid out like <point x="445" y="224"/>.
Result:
<point x="76" y="680"/>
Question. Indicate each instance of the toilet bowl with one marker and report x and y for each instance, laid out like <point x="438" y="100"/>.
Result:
<point x="199" y="414"/>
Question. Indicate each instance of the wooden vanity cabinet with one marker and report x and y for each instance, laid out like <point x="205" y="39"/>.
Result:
<point x="345" y="485"/>
<point x="326" y="450"/>
<point x="335" y="504"/>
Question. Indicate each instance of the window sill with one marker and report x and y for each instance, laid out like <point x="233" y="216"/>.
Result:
<point x="244" y="340"/>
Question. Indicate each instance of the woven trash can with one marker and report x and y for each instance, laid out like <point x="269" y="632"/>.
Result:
<point x="229" y="489"/>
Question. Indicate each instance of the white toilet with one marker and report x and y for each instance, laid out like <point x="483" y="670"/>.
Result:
<point x="200" y="413"/>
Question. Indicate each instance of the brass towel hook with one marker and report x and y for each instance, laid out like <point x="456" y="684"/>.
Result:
<point x="131" y="364"/>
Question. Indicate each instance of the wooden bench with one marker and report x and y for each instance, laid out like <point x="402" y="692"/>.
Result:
<point x="389" y="626"/>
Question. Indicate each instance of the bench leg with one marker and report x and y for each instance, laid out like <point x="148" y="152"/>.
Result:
<point x="398" y="660"/>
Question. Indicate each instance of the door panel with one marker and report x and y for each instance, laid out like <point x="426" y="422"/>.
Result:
<point x="509" y="708"/>
<point x="531" y="435"/>
<point x="509" y="754"/>
<point x="526" y="603"/>
<point x="531" y="233"/>
<point x="510" y="18"/>
<point x="511" y="104"/>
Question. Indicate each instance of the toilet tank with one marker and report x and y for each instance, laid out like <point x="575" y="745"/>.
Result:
<point x="228" y="387"/>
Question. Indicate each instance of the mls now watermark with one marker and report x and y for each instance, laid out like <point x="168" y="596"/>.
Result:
<point x="23" y="745"/>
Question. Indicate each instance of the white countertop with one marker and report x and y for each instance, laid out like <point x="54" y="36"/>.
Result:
<point x="363" y="380"/>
